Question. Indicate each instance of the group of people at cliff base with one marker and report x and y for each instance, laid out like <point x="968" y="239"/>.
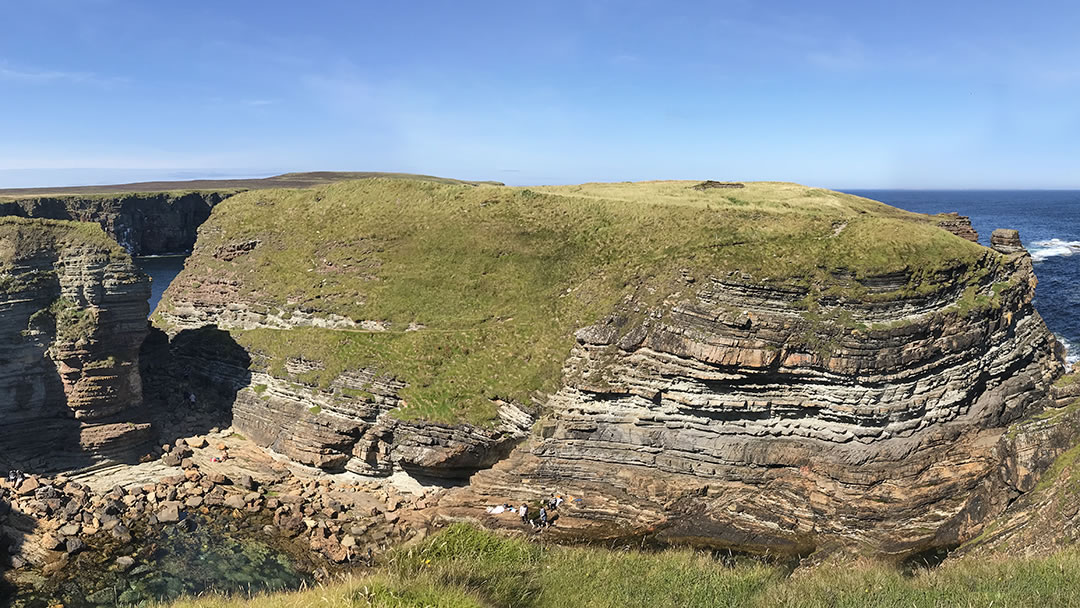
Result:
<point x="546" y="516"/>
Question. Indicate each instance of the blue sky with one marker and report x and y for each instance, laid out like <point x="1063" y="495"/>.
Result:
<point x="844" y="94"/>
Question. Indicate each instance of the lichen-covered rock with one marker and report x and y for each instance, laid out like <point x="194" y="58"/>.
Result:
<point x="73" y="312"/>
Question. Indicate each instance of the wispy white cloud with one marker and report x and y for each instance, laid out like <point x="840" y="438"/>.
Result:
<point x="45" y="77"/>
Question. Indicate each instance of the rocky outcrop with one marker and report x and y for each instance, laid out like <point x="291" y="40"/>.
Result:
<point x="1042" y="461"/>
<point x="1006" y="241"/>
<point x="960" y="225"/>
<point x="73" y="313"/>
<point x="144" y="223"/>
<point x="346" y="425"/>
<point x="734" y="418"/>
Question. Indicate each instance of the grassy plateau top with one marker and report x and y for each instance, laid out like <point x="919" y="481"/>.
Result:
<point x="499" y="278"/>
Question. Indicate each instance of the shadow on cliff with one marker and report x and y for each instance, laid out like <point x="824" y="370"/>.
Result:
<point x="40" y="433"/>
<point x="15" y="529"/>
<point x="190" y="382"/>
<point x="6" y="590"/>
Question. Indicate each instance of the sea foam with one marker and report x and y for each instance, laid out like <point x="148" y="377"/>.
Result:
<point x="1071" y="356"/>
<point x="1053" y="248"/>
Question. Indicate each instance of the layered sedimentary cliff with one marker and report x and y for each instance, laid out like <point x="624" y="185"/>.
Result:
<point x="72" y="319"/>
<point x="344" y="424"/>
<point x="1047" y="516"/>
<point x="768" y="368"/>
<point x="144" y="223"/>
<point x="731" y="418"/>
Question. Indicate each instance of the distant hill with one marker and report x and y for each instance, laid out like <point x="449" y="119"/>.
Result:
<point x="287" y="180"/>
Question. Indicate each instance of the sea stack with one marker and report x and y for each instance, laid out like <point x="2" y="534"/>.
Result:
<point x="1005" y="240"/>
<point x="74" y="310"/>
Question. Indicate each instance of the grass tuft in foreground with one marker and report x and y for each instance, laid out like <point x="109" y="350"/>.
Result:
<point x="465" y="567"/>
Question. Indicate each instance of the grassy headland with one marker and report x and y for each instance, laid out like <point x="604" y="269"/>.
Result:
<point x="499" y="278"/>
<point x="463" y="567"/>
<point x="224" y="186"/>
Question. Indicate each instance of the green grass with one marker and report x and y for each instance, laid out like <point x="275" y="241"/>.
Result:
<point x="501" y="277"/>
<point x="464" y="567"/>
<point x="1063" y="463"/>
<point x="22" y="238"/>
<point x="1066" y="380"/>
<point x="72" y="322"/>
<point x="224" y="187"/>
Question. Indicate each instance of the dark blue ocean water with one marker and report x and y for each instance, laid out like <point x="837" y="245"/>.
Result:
<point x="1049" y="225"/>
<point x="162" y="270"/>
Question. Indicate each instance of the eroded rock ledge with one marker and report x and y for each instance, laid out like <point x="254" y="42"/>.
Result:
<point x="345" y="425"/>
<point x="73" y="312"/>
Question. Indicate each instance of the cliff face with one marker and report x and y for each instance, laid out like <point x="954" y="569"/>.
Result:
<point x="728" y="419"/>
<point x="1046" y="517"/>
<point x="769" y="368"/>
<point x="73" y="318"/>
<point x="144" y="223"/>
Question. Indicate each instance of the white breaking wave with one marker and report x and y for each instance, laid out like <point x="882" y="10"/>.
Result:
<point x="1054" y="248"/>
<point x="1071" y="356"/>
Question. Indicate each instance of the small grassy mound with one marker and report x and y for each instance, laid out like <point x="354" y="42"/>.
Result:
<point x="22" y="238"/>
<point x="465" y="567"/>
<point x="499" y="278"/>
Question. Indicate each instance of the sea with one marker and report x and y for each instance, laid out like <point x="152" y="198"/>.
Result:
<point x="1049" y="225"/>
<point x="1048" y="221"/>
<point x="162" y="269"/>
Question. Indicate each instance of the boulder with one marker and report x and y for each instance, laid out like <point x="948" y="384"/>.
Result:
<point x="235" y="501"/>
<point x="125" y="563"/>
<point x="169" y="512"/>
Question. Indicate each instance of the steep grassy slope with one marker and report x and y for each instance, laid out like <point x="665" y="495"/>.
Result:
<point x="495" y="280"/>
<point x="467" y="568"/>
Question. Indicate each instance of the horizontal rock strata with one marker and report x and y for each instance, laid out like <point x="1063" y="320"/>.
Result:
<point x="72" y="318"/>
<point x="737" y="419"/>
<point x="346" y="425"/>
